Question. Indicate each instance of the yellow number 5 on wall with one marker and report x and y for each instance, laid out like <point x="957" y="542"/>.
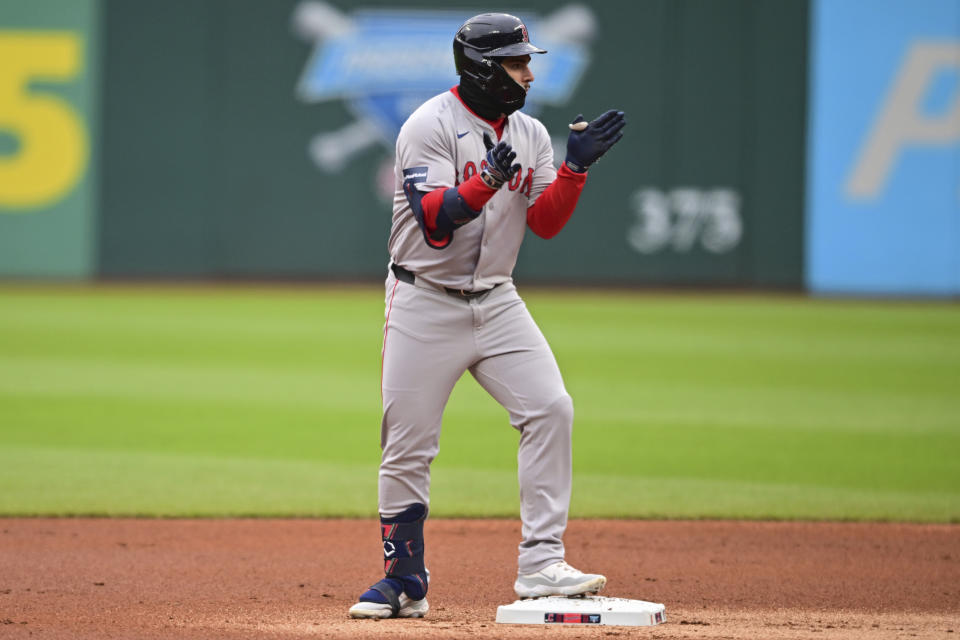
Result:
<point x="51" y="139"/>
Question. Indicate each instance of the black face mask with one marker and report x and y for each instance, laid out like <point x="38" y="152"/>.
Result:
<point x="482" y="103"/>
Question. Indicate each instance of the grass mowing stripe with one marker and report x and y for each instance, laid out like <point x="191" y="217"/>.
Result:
<point x="39" y="481"/>
<point x="294" y="432"/>
<point x="460" y="492"/>
<point x="782" y="405"/>
<point x="726" y="451"/>
<point x="69" y="482"/>
<point x="246" y="385"/>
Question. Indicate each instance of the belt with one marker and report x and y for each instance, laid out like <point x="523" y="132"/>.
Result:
<point x="404" y="275"/>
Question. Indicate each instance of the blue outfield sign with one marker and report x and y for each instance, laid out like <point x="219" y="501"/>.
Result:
<point x="883" y="187"/>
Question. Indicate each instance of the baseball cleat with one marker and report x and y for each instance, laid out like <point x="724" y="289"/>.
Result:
<point x="558" y="579"/>
<point x="387" y="599"/>
<point x="407" y="609"/>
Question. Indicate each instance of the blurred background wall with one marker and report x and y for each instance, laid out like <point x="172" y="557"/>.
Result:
<point x="792" y="144"/>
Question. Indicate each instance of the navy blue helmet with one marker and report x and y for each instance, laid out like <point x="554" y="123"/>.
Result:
<point x="479" y="46"/>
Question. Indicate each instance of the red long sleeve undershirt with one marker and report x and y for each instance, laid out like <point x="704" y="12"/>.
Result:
<point x="546" y="217"/>
<point x="553" y="208"/>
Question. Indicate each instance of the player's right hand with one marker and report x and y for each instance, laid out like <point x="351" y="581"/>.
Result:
<point x="499" y="169"/>
<point x="587" y="143"/>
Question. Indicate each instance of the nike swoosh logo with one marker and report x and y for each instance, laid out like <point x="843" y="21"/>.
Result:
<point x="460" y="135"/>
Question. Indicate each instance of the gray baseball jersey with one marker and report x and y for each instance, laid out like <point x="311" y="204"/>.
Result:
<point x="432" y="336"/>
<point x="441" y="145"/>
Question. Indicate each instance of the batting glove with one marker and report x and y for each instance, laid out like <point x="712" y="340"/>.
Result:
<point x="587" y="142"/>
<point x="499" y="168"/>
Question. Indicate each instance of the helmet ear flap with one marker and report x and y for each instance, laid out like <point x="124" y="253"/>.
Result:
<point x="472" y="64"/>
<point x="487" y="70"/>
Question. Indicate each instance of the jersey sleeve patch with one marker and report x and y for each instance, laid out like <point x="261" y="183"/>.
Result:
<point x="415" y="175"/>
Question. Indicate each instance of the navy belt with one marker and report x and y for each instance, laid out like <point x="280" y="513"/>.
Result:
<point x="404" y="275"/>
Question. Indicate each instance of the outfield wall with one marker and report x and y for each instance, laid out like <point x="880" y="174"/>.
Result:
<point x="263" y="143"/>
<point x="243" y="138"/>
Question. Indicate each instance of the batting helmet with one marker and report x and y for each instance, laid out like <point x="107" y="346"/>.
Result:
<point x="480" y="44"/>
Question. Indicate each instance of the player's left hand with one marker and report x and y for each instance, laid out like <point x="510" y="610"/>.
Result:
<point x="589" y="141"/>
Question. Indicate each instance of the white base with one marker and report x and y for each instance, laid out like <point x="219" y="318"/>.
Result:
<point x="589" y="610"/>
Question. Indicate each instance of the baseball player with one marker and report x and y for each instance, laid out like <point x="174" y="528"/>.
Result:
<point x="472" y="173"/>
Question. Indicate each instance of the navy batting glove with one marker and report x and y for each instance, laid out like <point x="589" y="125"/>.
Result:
<point x="585" y="146"/>
<point x="499" y="163"/>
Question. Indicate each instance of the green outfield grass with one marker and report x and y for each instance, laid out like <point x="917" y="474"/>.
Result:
<point x="265" y="401"/>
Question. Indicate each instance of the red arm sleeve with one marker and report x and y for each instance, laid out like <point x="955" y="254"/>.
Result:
<point x="553" y="208"/>
<point x="431" y="206"/>
<point x="474" y="191"/>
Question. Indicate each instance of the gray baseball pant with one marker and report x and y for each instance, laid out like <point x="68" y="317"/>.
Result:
<point x="430" y="339"/>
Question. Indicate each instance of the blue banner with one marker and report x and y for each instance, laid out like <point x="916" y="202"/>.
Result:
<point x="883" y="189"/>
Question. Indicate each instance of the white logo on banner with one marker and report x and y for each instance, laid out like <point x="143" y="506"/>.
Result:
<point x="902" y="123"/>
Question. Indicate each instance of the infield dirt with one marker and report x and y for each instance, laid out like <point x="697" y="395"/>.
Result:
<point x="143" y="579"/>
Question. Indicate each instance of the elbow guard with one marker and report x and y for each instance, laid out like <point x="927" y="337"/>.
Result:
<point x="453" y="213"/>
<point x="415" y="199"/>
